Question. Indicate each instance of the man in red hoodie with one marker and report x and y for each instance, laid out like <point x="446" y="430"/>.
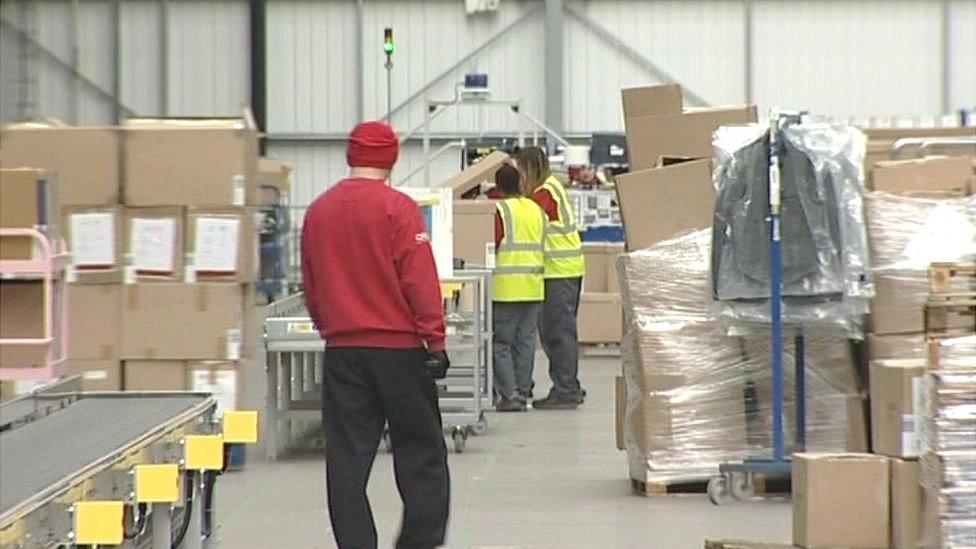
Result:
<point x="372" y="289"/>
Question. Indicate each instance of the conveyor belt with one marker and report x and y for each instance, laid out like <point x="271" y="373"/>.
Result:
<point x="43" y="452"/>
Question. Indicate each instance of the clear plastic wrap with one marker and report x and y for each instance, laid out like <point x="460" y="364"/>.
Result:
<point x="948" y="443"/>
<point x="696" y="396"/>
<point x="826" y="275"/>
<point x="907" y="235"/>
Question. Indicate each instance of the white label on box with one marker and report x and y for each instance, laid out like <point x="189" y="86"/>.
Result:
<point x="153" y="244"/>
<point x="222" y="384"/>
<point x="909" y="436"/>
<point x="95" y="375"/>
<point x="239" y="192"/>
<point x="215" y="246"/>
<point x="490" y="255"/>
<point x="129" y="275"/>
<point x="93" y="239"/>
<point x="234" y="343"/>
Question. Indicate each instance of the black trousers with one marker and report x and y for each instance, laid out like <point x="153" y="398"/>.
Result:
<point x="364" y="390"/>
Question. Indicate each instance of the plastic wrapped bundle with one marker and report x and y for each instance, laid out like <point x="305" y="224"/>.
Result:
<point x="697" y="397"/>
<point x="948" y="438"/>
<point x="826" y="276"/>
<point x="907" y="235"/>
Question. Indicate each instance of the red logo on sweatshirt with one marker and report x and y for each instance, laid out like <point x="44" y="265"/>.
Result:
<point x="422" y="238"/>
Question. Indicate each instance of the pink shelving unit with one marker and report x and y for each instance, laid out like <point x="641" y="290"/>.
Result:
<point x="48" y="268"/>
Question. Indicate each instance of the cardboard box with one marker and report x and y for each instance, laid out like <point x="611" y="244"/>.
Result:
<point x="600" y="318"/>
<point x="165" y="321"/>
<point x="857" y="424"/>
<point x="620" y="407"/>
<point x="94" y="321"/>
<point x="154" y="375"/>
<point x="97" y="375"/>
<point x="686" y="134"/>
<point x="86" y="160"/>
<point x="933" y="176"/>
<point x="223" y="379"/>
<point x="651" y="100"/>
<point x="601" y="273"/>
<point x="899" y="303"/>
<point x="474" y="230"/>
<point x="840" y="500"/>
<point x="474" y="175"/>
<point x="274" y="181"/>
<point x="22" y="317"/>
<point x="660" y="203"/>
<point x="906" y="504"/>
<point x="28" y="199"/>
<point x="153" y="244"/>
<point x="893" y="430"/>
<point x="94" y="238"/>
<point x="897" y="346"/>
<point x="222" y="244"/>
<point x="207" y="162"/>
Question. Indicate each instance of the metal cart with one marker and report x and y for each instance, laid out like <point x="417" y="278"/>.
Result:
<point x="295" y="361"/>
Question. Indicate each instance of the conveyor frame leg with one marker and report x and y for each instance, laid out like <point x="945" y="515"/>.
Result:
<point x="162" y="526"/>
<point x="194" y="533"/>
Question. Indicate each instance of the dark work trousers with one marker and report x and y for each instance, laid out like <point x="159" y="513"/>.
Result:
<point x="557" y="331"/>
<point x="513" y="346"/>
<point x="365" y="389"/>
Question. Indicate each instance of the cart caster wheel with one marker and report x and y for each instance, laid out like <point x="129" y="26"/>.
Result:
<point x="481" y="427"/>
<point x="460" y="437"/>
<point x="742" y="486"/>
<point x="718" y="490"/>
<point x="387" y="442"/>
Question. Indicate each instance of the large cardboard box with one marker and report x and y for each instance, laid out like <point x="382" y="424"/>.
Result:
<point x="97" y="375"/>
<point x="687" y="134"/>
<point x="899" y="303"/>
<point x="660" y="203"/>
<point x="206" y="162"/>
<point x="896" y="346"/>
<point x="153" y="244"/>
<point x="474" y="230"/>
<point x="651" y="100"/>
<point x="474" y="175"/>
<point x="94" y="321"/>
<point x="906" y="504"/>
<point x="28" y="200"/>
<point x="892" y="406"/>
<point x="274" y="180"/>
<point x="154" y="375"/>
<point x="934" y="176"/>
<point x="840" y="500"/>
<point x="94" y="237"/>
<point x="620" y="410"/>
<point x="222" y="244"/>
<point x="22" y="317"/>
<point x="85" y="159"/>
<point x="165" y="321"/>
<point x="600" y="318"/>
<point x="601" y="272"/>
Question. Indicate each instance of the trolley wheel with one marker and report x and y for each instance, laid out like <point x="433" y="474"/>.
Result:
<point x="742" y="485"/>
<point x="718" y="490"/>
<point x="460" y="437"/>
<point x="481" y="427"/>
<point x="387" y="441"/>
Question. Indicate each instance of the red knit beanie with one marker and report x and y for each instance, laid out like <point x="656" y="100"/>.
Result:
<point x="373" y="145"/>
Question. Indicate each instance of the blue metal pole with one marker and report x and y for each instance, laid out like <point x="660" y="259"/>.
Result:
<point x="801" y="393"/>
<point x="776" y="282"/>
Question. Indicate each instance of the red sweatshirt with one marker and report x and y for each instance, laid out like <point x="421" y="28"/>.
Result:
<point x="368" y="268"/>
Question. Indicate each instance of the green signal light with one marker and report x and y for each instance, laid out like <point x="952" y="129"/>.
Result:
<point x="388" y="46"/>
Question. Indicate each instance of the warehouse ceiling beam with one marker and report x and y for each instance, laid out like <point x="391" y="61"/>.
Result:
<point x="257" y="11"/>
<point x="115" y="19"/>
<point x="360" y="86"/>
<point x="65" y="65"/>
<point x="628" y="51"/>
<point x="554" y="50"/>
<point x="467" y="57"/>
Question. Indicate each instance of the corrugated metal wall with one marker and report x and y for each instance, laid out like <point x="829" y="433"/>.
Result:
<point x="838" y="57"/>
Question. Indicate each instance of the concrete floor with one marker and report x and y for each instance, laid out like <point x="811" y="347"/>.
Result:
<point x="540" y="479"/>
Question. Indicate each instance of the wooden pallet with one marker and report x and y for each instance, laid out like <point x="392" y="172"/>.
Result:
<point x="764" y="487"/>
<point x="941" y="275"/>
<point x="600" y="349"/>
<point x="946" y="313"/>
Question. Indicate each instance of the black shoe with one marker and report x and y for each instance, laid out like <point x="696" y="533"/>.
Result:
<point x="582" y="396"/>
<point x="525" y="395"/>
<point x="510" y="405"/>
<point x="551" y="403"/>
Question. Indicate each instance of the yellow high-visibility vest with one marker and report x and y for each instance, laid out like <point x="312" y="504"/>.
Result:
<point x="563" y="249"/>
<point x="519" y="259"/>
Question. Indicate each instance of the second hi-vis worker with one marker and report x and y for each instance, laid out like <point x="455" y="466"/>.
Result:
<point x="519" y="289"/>
<point x="564" y="270"/>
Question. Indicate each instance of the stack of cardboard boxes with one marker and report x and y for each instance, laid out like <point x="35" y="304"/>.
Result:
<point x="600" y="318"/>
<point x="160" y="222"/>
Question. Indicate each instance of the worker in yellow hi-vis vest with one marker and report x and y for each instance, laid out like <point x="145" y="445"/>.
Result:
<point x="518" y="287"/>
<point x="564" y="270"/>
